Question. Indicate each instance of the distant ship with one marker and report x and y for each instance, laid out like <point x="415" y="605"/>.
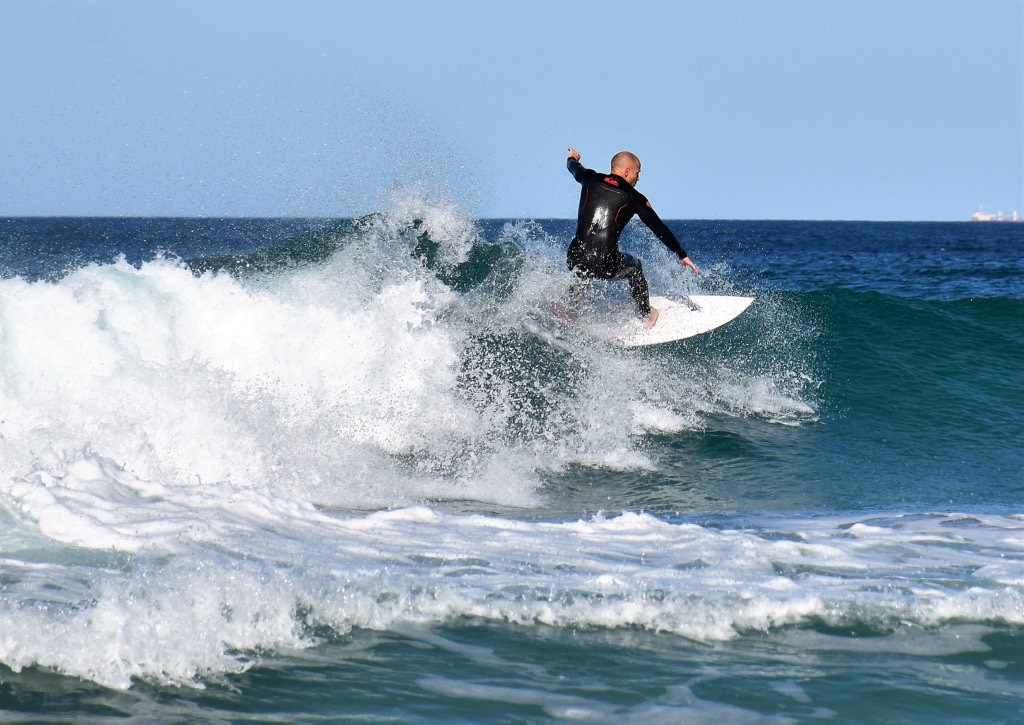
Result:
<point x="983" y="216"/>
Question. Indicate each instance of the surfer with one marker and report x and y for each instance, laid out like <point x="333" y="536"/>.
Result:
<point x="607" y="202"/>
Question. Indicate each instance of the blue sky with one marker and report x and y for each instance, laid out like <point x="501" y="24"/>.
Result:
<point x="743" y="109"/>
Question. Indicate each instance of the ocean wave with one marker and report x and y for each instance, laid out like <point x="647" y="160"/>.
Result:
<point x="184" y="585"/>
<point x="398" y="358"/>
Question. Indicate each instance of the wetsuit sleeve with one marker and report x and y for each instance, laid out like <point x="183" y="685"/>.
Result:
<point x="579" y="171"/>
<point x="650" y="217"/>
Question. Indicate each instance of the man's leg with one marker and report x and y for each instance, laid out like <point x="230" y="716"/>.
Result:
<point x="632" y="270"/>
<point x="629" y="268"/>
<point x="572" y="301"/>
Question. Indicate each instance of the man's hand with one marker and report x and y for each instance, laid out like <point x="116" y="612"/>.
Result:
<point x="687" y="262"/>
<point x="574" y="154"/>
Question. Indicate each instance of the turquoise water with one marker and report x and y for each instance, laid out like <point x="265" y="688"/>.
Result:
<point x="288" y="469"/>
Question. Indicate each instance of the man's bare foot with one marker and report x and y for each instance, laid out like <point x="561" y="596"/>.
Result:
<point x="651" y="319"/>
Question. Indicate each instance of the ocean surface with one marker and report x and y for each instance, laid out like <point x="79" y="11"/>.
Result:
<point x="298" y="470"/>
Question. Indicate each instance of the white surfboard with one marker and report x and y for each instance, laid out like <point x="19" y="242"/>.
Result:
<point x="678" y="319"/>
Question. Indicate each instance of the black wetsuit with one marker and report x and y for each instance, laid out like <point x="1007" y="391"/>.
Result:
<point x="607" y="202"/>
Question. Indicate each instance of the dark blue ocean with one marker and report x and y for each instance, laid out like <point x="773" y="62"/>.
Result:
<point x="297" y="470"/>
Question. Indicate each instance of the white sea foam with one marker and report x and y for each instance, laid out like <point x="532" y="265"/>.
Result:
<point x="132" y="579"/>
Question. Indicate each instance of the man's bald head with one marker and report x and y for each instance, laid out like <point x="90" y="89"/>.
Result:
<point x="623" y="159"/>
<point x="627" y="165"/>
